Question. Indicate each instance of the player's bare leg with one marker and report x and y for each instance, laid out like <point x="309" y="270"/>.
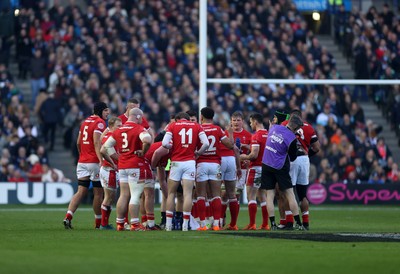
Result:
<point x="149" y="206"/>
<point x="286" y="215"/>
<point x="76" y="201"/>
<point x="98" y="195"/>
<point x="187" y="186"/>
<point x="271" y="208"/>
<point x="252" y="207"/>
<point x="109" y="198"/>
<point x="289" y="193"/>
<point x="136" y="189"/>
<point x="262" y="197"/>
<point x="163" y="207"/>
<point x="215" y="190"/>
<point x="143" y="210"/>
<point x="172" y="187"/>
<point x="122" y="204"/>
<point x="224" y="204"/>
<point x="201" y="203"/>
<point x="230" y="188"/>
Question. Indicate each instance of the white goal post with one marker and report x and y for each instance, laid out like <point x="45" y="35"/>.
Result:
<point x="203" y="69"/>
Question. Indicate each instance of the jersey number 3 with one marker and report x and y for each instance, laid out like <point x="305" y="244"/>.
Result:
<point x="124" y="139"/>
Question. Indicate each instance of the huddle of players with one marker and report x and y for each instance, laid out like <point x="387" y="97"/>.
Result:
<point x="203" y="155"/>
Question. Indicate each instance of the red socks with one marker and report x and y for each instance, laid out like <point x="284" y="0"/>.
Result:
<point x="264" y="212"/>
<point x="234" y="209"/>
<point x="216" y="207"/>
<point x="105" y="214"/>
<point x="252" y="212"/>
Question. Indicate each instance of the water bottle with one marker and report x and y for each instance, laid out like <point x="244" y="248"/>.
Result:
<point x="237" y="143"/>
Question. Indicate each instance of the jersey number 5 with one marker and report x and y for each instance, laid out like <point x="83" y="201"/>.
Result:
<point x="85" y="133"/>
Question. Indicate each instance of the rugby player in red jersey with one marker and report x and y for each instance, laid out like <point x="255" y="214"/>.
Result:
<point x="242" y="139"/>
<point x="131" y="141"/>
<point x="208" y="169"/>
<point x="186" y="136"/>
<point x="308" y="145"/>
<point x="253" y="181"/>
<point x="90" y="159"/>
<point x="159" y="161"/>
<point x="133" y="103"/>
<point x="109" y="176"/>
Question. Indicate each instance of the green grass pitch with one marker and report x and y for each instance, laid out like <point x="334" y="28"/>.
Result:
<point x="33" y="240"/>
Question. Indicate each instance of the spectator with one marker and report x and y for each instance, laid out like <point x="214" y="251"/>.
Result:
<point x="69" y="122"/>
<point x="24" y="51"/>
<point x="382" y="151"/>
<point x="323" y="117"/>
<point x="393" y="175"/>
<point x="37" y="69"/>
<point x="50" y="115"/>
<point x="15" y="175"/>
<point x="53" y="175"/>
<point x="35" y="171"/>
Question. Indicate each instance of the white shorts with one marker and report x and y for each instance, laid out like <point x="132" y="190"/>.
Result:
<point x="208" y="171"/>
<point x="300" y="170"/>
<point x="228" y="168"/>
<point x="183" y="170"/>
<point x="254" y="177"/>
<point x="240" y="183"/>
<point x="129" y="175"/>
<point x="109" y="178"/>
<point x="91" y="170"/>
<point x="149" y="183"/>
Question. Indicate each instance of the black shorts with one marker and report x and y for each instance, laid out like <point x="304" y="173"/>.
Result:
<point x="270" y="177"/>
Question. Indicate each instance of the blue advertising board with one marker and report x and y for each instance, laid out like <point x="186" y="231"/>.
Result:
<point x="311" y="5"/>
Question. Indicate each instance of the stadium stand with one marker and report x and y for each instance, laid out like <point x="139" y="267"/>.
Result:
<point x="119" y="49"/>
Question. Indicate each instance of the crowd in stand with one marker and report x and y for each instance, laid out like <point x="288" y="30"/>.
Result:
<point x="148" y="49"/>
<point x="372" y="40"/>
<point x="23" y="154"/>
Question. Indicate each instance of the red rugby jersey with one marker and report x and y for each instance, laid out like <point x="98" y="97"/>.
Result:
<point x="185" y="139"/>
<point x="88" y="127"/>
<point x="215" y="134"/>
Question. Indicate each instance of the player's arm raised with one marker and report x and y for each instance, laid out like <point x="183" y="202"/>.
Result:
<point x="227" y="142"/>
<point x="237" y="161"/>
